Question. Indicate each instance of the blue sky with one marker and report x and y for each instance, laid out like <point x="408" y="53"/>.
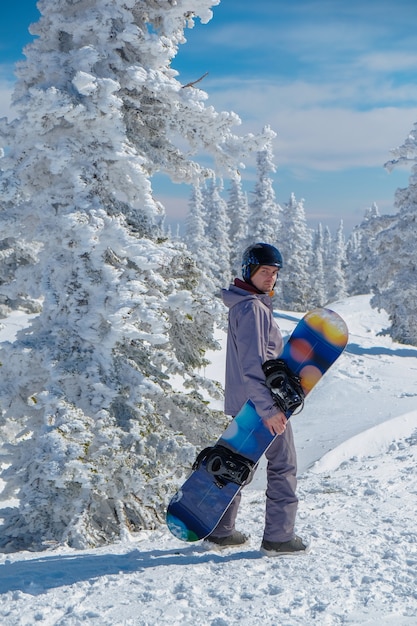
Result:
<point x="336" y="80"/>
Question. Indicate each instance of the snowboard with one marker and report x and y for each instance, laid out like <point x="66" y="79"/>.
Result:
<point x="222" y="470"/>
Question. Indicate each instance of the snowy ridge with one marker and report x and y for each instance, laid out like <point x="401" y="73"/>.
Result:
<point x="372" y="442"/>
<point x="357" y="443"/>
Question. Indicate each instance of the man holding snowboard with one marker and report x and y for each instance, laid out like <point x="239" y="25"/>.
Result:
<point x="253" y="338"/>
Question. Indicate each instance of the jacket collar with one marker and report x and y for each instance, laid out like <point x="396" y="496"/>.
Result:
<point x="247" y="286"/>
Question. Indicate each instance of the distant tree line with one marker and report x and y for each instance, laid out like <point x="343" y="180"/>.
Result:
<point x="319" y="267"/>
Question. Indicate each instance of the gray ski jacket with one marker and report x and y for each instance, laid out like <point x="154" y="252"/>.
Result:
<point x="253" y="338"/>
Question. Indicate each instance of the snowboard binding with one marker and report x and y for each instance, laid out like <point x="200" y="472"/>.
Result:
<point x="285" y="387"/>
<point x="225" y="465"/>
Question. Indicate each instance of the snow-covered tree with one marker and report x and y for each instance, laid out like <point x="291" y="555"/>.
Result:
<point x="359" y="255"/>
<point x="264" y="212"/>
<point x="335" y="274"/>
<point x="197" y="241"/>
<point x="195" y="225"/>
<point x="394" y="277"/>
<point x="327" y="246"/>
<point x="218" y="225"/>
<point x="100" y="431"/>
<point x="238" y="231"/>
<point x="295" y="245"/>
<point x="318" y="295"/>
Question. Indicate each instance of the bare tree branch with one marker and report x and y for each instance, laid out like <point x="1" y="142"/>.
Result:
<point x="194" y="82"/>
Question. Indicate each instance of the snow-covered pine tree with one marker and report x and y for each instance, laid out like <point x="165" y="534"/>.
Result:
<point x="335" y="273"/>
<point x="295" y="245"/>
<point x="217" y="233"/>
<point x="264" y="212"/>
<point x="359" y="255"/>
<point x="197" y="241"/>
<point x="195" y="225"/>
<point x="327" y="247"/>
<point x="394" y="277"/>
<point x="88" y="385"/>
<point x="316" y="270"/>
<point x="352" y="257"/>
<point x="238" y="231"/>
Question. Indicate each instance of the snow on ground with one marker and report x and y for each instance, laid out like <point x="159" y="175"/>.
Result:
<point x="357" y="443"/>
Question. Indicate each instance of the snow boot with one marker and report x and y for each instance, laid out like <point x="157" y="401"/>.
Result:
<point x="277" y="548"/>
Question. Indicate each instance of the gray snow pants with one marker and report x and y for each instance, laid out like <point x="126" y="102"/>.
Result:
<point x="281" y="501"/>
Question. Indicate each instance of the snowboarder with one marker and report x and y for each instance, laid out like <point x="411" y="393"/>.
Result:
<point x="253" y="338"/>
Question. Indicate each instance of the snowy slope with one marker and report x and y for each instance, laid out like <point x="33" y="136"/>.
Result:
<point x="357" y="443"/>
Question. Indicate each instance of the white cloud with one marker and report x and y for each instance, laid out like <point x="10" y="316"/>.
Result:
<point x="389" y="61"/>
<point x="317" y="128"/>
<point x="337" y="139"/>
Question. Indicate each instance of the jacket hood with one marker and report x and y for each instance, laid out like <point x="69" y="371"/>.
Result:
<point x="234" y="295"/>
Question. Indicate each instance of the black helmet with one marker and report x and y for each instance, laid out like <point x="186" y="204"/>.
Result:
<point x="259" y="254"/>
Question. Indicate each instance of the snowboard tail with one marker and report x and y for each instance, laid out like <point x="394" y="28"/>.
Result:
<point x="220" y="471"/>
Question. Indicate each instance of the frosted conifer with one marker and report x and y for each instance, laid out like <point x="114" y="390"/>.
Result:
<point x="295" y="245"/>
<point x="264" y="212"/>
<point x="394" y="276"/>
<point x="102" y="434"/>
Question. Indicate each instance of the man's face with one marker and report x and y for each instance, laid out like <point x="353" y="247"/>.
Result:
<point x="265" y="278"/>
